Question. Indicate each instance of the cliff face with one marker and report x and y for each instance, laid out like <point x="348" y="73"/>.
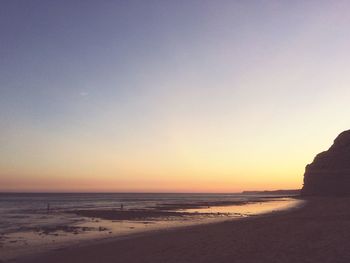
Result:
<point x="329" y="173"/>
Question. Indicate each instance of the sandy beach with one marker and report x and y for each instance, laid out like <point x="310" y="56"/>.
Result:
<point x="317" y="232"/>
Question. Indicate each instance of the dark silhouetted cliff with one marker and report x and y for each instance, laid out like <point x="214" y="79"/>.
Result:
<point x="329" y="173"/>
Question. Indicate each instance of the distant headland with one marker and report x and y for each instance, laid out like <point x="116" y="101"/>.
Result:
<point x="274" y="192"/>
<point x="329" y="173"/>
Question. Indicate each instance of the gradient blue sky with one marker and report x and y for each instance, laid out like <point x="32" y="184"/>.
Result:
<point x="181" y="96"/>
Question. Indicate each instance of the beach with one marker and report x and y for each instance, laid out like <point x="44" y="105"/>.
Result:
<point x="319" y="231"/>
<point x="28" y="227"/>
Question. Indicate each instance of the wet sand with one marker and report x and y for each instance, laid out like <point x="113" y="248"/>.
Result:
<point x="317" y="232"/>
<point x="175" y="210"/>
<point x="160" y="211"/>
<point x="129" y="215"/>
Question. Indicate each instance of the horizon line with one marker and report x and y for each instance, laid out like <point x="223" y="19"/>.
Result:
<point x="132" y="192"/>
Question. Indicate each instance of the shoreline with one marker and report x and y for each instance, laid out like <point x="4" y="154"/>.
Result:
<point x="42" y="257"/>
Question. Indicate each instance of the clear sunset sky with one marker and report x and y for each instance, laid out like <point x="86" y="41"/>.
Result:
<point x="169" y="96"/>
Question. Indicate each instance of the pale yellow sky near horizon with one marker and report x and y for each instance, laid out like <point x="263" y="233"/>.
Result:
<point x="244" y="165"/>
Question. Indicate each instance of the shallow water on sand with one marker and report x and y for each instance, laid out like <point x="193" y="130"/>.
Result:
<point x="255" y="208"/>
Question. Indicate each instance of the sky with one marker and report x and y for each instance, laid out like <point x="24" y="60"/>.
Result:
<point x="169" y="96"/>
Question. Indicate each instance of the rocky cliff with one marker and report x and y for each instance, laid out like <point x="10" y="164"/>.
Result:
<point x="329" y="173"/>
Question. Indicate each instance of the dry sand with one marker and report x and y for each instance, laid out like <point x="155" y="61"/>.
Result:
<point x="317" y="232"/>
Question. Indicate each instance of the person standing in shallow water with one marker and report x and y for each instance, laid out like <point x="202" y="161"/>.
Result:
<point x="121" y="206"/>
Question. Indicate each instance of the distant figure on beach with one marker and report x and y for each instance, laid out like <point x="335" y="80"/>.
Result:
<point x="48" y="208"/>
<point x="121" y="207"/>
